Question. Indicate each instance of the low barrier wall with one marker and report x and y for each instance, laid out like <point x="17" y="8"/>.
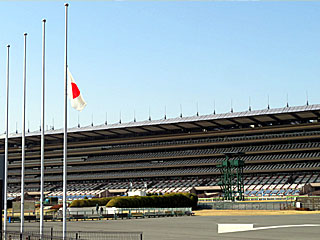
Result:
<point x="265" y="198"/>
<point x="311" y="203"/>
<point x="113" y="210"/>
<point x="247" y="205"/>
<point x="89" y="213"/>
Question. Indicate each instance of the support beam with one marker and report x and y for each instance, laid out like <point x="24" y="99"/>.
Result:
<point x="111" y="131"/>
<point x="146" y="129"/>
<point x="255" y="120"/>
<point x="129" y="131"/>
<point x="162" y="128"/>
<point x="274" y="118"/>
<point x="198" y="125"/>
<point x="99" y="134"/>
<point x="233" y="121"/>
<point x="316" y="113"/>
<point x="51" y="137"/>
<point x="218" y="124"/>
<point x="178" y="126"/>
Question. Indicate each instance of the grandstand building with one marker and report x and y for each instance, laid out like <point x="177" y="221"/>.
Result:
<point x="282" y="154"/>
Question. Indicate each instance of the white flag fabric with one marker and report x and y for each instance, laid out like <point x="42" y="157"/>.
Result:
<point x="74" y="94"/>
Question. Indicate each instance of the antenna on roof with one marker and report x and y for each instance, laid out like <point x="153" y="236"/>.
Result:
<point x="52" y="123"/>
<point x="181" y="110"/>
<point x="214" y="106"/>
<point x="28" y="126"/>
<point x="307" y="98"/>
<point x="149" y="114"/>
<point x="40" y="126"/>
<point x="165" y="112"/>
<point x="287" y="100"/>
<point x="231" y="107"/>
<point x="268" y="102"/>
<point x="134" y="116"/>
<point x="120" y="118"/>
<point x="92" y="119"/>
<point x="16" y="127"/>
<point x="106" y="121"/>
<point x="78" y="120"/>
<point x="249" y="104"/>
<point x="197" y="109"/>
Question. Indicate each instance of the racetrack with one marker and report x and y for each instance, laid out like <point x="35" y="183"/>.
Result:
<point x="201" y="227"/>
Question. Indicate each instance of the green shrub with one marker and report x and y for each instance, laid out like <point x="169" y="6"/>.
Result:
<point x="161" y="201"/>
<point x="90" y="202"/>
<point x="156" y="201"/>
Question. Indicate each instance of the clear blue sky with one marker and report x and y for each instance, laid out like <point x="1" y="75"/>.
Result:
<point x="136" y="55"/>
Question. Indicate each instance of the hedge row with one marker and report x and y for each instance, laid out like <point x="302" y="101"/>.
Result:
<point x="165" y="201"/>
<point x="90" y="202"/>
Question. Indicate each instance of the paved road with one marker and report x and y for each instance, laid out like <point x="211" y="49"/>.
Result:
<point x="201" y="227"/>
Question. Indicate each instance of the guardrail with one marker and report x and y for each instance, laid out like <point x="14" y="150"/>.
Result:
<point x="16" y="235"/>
<point x="116" y="213"/>
<point x="71" y="235"/>
<point x="101" y="235"/>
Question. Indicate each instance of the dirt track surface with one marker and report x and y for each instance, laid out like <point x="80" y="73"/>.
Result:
<point x="250" y="212"/>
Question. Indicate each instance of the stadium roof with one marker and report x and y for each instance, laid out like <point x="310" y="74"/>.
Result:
<point x="296" y="113"/>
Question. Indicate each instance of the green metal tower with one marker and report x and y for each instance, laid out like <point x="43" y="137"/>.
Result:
<point x="231" y="170"/>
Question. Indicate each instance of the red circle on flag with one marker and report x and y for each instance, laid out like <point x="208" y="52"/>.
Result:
<point x="75" y="90"/>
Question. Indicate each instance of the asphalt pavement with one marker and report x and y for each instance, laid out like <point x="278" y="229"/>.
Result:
<point x="199" y="227"/>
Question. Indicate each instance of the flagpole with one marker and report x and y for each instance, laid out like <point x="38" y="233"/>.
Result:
<point x="65" y="129"/>
<point x="6" y="150"/>
<point x="42" y="127"/>
<point x="23" y="135"/>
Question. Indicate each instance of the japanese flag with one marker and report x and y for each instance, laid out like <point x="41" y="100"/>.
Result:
<point x="74" y="94"/>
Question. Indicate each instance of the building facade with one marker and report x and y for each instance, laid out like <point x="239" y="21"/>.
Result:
<point x="281" y="146"/>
